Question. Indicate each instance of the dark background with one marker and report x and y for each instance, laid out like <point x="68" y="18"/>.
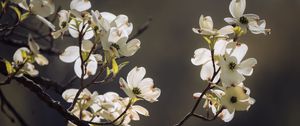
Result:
<point x="167" y="47"/>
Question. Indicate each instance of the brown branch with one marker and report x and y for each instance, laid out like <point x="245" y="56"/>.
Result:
<point x="32" y="86"/>
<point x="141" y="30"/>
<point x="4" y="101"/>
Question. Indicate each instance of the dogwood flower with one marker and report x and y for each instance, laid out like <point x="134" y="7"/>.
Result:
<point x="41" y="8"/>
<point x="79" y="26"/>
<point x="232" y="70"/>
<point x="236" y="99"/>
<point x="137" y="87"/>
<point x="63" y="17"/>
<point x="246" y="21"/>
<point x="202" y="56"/>
<point x="85" y="99"/>
<point x="122" y="47"/>
<point x="29" y="56"/>
<point x="72" y="54"/>
<point x="207" y="28"/>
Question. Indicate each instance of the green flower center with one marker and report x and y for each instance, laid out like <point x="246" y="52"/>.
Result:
<point x="232" y="65"/>
<point x="244" y="20"/>
<point x="233" y="99"/>
<point x="136" y="91"/>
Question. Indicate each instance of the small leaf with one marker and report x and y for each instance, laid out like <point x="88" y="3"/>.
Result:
<point x="17" y="11"/>
<point x="115" y="67"/>
<point x="107" y="72"/>
<point x="24" y="16"/>
<point x="207" y="39"/>
<point x="122" y="65"/>
<point x="9" y="67"/>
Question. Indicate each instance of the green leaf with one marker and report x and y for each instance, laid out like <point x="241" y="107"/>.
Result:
<point x="9" y="67"/>
<point x="207" y="39"/>
<point x="107" y="72"/>
<point x="115" y="67"/>
<point x="122" y="65"/>
<point x="24" y="16"/>
<point x="17" y="11"/>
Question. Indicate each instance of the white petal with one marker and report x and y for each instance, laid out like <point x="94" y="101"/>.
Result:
<point x="206" y="22"/>
<point x="126" y="88"/>
<point x="18" y="55"/>
<point x="226" y="116"/>
<point x="33" y="46"/>
<point x="80" y="5"/>
<point x="220" y="47"/>
<point x="46" y="22"/>
<point x="141" y="110"/>
<point x="246" y="67"/>
<point x="91" y="67"/>
<point x="152" y="96"/>
<point x="135" y="76"/>
<point x="108" y="16"/>
<point x="72" y="29"/>
<point x="239" y="50"/>
<point x="230" y="78"/>
<point x="201" y="56"/>
<point x="251" y="17"/>
<point x="70" y="54"/>
<point x="226" y="30"/>
<point x="98" y="57"/>
<point x="207" y="72"/>
<point x="237" y="8"/>
<point x="230" y="20"/>
<point x="41" y="60"/>
<point x="42" y="7"/>
<point x="87" y="45"/>
<point x="120" y="20"/>
<point x="69" y="94"/>
<point x="131" y="48"/>
<point x="116" y="34"/>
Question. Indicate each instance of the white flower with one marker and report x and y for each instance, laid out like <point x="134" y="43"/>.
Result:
<point x="63" y="16"/>
<point x="232" y="69"/>
<point x="202" y="56"/>
<point x="23" y="54"/>
<point x="250" y="21"/>
<point x="207" y="28"/>
<point x="79" y="26"/>
<point x="85" y="99"/>
<point x="80" y="5"/>
<point x="122" y="47"/>
<point x="118" y="28"/>
<point x="236" y="99"/>
<point x="72" y="54"/>
<point x="41" y="8"/>
<point x="137" y="87"/>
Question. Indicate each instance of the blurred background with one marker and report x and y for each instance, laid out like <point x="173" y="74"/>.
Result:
<point x="166" y="50"/>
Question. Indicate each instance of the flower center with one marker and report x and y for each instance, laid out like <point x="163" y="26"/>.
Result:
<point x="116" y="46"/>
<point x="136" y="91"/>
<point x="232" y="65"/>
<point x="233" y="99"/>
<point x="244" y="20"/>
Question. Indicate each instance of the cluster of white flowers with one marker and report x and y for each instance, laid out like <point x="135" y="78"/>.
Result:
<point x="108" y="31"/>
<point x="24" y="59"/>
<point x="102" y="38"/>
<point x="223" y="65"/>
<point x="110" y="106"/>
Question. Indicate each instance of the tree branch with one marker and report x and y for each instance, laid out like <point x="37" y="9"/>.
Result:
<point x="4" y="101"/>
